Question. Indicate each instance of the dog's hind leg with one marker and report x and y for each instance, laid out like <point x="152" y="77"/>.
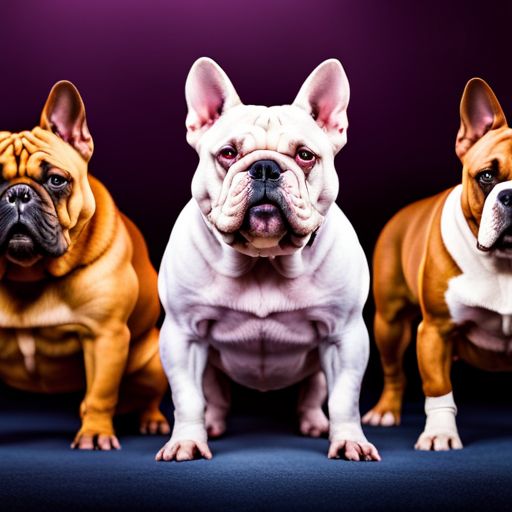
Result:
<point x="392" y="338"/>
<point x="313" y="394"/>
<point x="217" y="393"/>
<point x="396" y="309"/>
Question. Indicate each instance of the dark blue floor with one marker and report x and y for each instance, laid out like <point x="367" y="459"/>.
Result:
<point x="261" y="464"/>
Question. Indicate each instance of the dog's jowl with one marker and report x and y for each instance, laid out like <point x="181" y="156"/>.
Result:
<point x="264" y="279"/>
<point x="78" y="294"/>
<point x="449" y="257"/>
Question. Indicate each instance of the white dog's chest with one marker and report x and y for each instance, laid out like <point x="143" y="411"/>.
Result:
<point x="480" y="299"/>
<point x="264" y="353"/>
<point x="263" y="332"/>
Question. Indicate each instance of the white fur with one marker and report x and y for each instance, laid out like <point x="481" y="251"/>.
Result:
<point x="263" y="324"/>
<point x="482" y="294"/>
<point x="268" y="316"/>
<point x="441" y="412"/>
<point x="495" y="218"/>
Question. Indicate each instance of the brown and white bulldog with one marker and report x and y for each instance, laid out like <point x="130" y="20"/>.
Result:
<point x="450" y="257"/>
<point x="76" y="283"/>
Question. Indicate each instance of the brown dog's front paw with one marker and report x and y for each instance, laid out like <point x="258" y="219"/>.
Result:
<point x="88" y="441"/>
<point x="350" y="450"/>
<point x="439" y="442"/>
<point x="184" y="450"/>
<point x="377" y="418"/>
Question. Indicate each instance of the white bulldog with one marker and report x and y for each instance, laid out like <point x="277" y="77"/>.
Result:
<point x="264" y="279"/>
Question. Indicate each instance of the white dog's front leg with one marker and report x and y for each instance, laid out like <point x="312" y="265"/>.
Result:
<point x="184" y="360"/>
<point x="344" y="361"/>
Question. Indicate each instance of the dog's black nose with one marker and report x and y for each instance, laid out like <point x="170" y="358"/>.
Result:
<point x="505" y="198"/>
<point x="19" y="194"/>
<point x="265" y="170"/>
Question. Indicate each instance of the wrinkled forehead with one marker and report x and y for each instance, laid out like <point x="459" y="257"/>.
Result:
<point x="20" y="158"/>
<point x="16" y="161"/>
<point x="278" y="128"/>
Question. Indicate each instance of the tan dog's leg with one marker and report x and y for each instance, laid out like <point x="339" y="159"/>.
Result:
<point x="217" y="393"/>
<point x="313" y="394"/>
<point x="105" y="361"/>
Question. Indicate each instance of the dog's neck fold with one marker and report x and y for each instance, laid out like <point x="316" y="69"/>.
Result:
<point x="233" y="262"/>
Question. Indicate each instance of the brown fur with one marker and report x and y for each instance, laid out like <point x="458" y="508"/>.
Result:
<point x="412" y="267"/>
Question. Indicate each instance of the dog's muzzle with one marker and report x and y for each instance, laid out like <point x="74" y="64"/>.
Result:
<point x="495" y="231"/>
<point x="264" y="217"/>
<point x="27" y="227"/>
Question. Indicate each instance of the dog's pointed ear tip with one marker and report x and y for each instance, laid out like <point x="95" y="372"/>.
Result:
<point x="332" y="62"/>
<point x="203" y="63"/>
<point x="477" y="84"/>
<point x="64" y="85"/>
<point x="333" y="65"/>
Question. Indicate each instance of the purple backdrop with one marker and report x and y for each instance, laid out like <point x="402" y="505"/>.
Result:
<point x="407" y="63"/>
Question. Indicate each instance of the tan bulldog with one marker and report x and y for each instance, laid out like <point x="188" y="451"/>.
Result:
<point x="76" y="282"/>
<point x="450" y="257"/>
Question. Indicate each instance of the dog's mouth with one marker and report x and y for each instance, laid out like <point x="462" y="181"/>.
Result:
<point x="19" y="243"/>
<point x="502" y="246"/>
<point x="265" y="220"/>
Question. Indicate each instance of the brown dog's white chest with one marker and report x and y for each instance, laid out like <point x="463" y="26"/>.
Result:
<point x="480" y="298"/>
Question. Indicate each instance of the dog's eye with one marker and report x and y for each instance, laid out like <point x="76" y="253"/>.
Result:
<point x="56" y="181"/>
<point x="305" y="155"/>
<point x="486" y="178"/>
<point x="228" y="153"/>
<point x="305" y="158"/>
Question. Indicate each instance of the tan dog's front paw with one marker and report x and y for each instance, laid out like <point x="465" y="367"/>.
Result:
<point x="184" y="450"/>
<point x="438" y="442"/>
<point x="85" y="440"/>
<point x="153" y="422"/>
<point x="350" y="450"/>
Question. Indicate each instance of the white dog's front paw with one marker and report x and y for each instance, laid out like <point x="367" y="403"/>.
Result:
<point x="438" y="442"/>
<point x="184" y="450"/>
<point x="352" y="450"/>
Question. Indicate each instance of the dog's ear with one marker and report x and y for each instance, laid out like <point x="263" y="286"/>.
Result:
<point x="480" y="112"/>
<point x="325" y="95"/>
<point x="209" y="93"/>
<point x="64" y="115"/>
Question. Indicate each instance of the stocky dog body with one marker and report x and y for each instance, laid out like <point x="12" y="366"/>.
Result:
<point x="450" y="256"/>
<point x="72" y="286"/>
<point x="264" y="279"/>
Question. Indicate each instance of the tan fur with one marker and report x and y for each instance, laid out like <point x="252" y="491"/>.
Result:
<point x="97" y="303"/>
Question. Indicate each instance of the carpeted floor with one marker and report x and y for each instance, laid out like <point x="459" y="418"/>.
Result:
<point x="260" y="464"/>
